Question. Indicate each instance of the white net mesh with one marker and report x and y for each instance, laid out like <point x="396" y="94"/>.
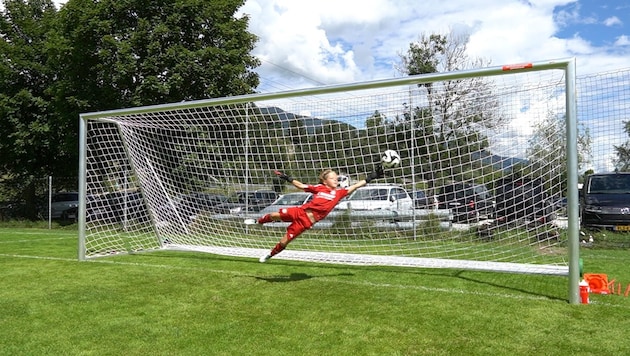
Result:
<point x="483" y="160"/>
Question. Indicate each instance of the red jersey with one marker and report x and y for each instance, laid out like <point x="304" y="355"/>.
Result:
<point x="324" y="199"/>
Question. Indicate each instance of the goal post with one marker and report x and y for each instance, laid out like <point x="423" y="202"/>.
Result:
<point x="485" y="153"/>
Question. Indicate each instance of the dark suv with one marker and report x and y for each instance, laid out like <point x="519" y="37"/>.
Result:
<point x="606" y="201"/>
<point x="467" y="201"/>
<point x="522" y="198"/>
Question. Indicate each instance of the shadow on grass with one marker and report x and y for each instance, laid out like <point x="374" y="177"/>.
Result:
<point x="459" y="275"/>
<point x="294" y="277"/>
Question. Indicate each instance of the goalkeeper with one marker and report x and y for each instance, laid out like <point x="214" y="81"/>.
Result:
<point x="326" y="195"/>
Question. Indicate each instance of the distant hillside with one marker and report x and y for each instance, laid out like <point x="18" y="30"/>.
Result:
<point x="312" y="124"/>
<point x="497" y="162"/>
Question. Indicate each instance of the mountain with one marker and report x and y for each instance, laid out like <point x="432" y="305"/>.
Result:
<point x="312" y="124"/>
<point x="497" y="162"/>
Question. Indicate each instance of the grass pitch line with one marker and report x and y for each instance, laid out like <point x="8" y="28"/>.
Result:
<point x="39" y="257"/>
<point x="37" y="240"/>
<point x="51" y="232"/>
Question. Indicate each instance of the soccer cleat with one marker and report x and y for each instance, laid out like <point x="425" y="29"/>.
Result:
<point x="264" y="258"/>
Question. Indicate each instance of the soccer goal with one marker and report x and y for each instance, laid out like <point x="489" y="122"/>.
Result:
<point x="485" y="154"/>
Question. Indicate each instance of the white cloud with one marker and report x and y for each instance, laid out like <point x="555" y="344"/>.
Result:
<point x="328" y="42"/>
<point x="622" y="40"/>
<point x="612" y="21"/>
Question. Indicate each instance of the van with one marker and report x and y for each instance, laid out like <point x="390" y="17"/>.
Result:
<point x="606" y="201"/>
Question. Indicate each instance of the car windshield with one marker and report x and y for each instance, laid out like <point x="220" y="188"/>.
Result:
<point x="610" y="184"/>
<point x="370" y="194"/>
<point x="291" y="199"/>
<point x="59" y="197"/>
<point x="240" y="197"/>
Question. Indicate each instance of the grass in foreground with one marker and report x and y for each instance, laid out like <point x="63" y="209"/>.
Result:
<point x="170" y="303"/>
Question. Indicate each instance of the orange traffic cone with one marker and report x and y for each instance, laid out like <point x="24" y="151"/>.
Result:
<point x="598" y="282"/>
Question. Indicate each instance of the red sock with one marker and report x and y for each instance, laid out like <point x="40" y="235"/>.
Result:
<point x="277" y="249"/>
<point x="265" y="219"/>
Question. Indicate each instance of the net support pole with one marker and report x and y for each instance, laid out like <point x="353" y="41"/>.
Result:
<point x="82" y="185"/>
<point x="573" y="232"/>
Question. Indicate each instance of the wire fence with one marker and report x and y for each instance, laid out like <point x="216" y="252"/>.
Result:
<point x="33" y="199"/>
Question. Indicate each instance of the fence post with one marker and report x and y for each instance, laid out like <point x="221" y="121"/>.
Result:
<point x="49" y="202"/>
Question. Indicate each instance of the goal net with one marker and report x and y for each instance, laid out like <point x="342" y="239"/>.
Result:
<point x="483" y="175"/>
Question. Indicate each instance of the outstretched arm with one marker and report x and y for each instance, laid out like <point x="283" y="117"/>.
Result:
<point x="290" y="179"/>
<point x="376" y="174"/>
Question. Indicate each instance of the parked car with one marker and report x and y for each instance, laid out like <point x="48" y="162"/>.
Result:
<point x="421" y="200"/>
<point x="60" y="203"/>
<point x="199" y="202"/>
<point x="522" y="198"/>
<point x="187" y="207"/>
<point x="128" y="205"/>
<point x="288" y="200"/>
<point x="606" y="201"/>
<point x="375" y="197"/>
<point x="246" y="201"/>
<point x="13" y="210"/>
<point x="111" y="208"/>
<point x="467" y="201"/>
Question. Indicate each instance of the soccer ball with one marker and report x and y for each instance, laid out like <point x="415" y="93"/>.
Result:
<point x="344" y="181"/>
<point x="390" y="159"/>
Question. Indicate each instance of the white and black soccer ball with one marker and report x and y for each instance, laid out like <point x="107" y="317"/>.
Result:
<point x="390" y="159"/>
<point x="344" y="181"/>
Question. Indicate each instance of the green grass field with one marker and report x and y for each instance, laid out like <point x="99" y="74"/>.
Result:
<point x="178" y="303"/>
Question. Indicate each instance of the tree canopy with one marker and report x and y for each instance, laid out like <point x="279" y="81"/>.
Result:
<point x="108" y="54"/>
<point x="447" y="127"/>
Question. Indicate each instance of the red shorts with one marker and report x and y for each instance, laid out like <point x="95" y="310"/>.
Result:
<point x="300" y="222"/>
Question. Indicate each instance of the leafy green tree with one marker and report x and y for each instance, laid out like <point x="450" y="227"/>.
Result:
<point x="456" y="127"/>
<point x="622" y="161"/>
<point x="137" y="52"/>
<point x="33" y="136"/>
<point x="101" y="55"/>
<point x="547" y="153"/>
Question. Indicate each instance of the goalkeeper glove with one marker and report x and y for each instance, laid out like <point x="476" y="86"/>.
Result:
<point x="284" y="176"/>
<point x="376" y="174"/>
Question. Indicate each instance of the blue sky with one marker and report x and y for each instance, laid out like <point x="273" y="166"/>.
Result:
<point x="602" y="23"/>
<point x="309" y="43"/>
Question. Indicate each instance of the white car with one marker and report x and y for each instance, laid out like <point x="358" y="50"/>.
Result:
<point x="378" y="197"/>
<point x="288" y="200"/>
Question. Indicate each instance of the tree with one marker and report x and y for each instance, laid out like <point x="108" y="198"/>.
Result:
<point x="547" y="153"/>
<point x="622" y="161"/>
<point x="33" y="140"/>
<point x="457" y="128"/>
<point x="102" y="55"/>
<point x="133" y="53"/>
